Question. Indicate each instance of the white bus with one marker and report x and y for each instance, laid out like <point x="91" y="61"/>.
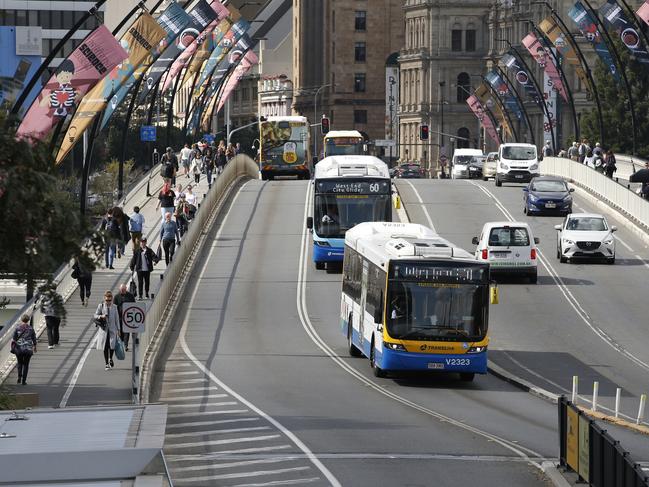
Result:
<point x="344" y="143"/>
<point x="412" y="300"/>
<point x="347" y="190"/>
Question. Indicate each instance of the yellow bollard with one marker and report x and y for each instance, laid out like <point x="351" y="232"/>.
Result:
<point x="397" y="202"/>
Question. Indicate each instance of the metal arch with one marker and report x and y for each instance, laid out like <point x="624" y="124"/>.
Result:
<point x="520" y="101"/>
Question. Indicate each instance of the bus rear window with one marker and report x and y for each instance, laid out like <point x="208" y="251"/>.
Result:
<point x="509" y="237"/>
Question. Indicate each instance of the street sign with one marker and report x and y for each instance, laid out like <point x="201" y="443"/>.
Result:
<point x="147" y="133"/>
<point x="133" y="316"/>
<point x="208" y="138"/>
<point x="384" y="143"/>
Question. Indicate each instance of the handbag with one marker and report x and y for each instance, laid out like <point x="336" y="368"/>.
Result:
<point x="101" y="323"/>
<point x="159" y="252"/>
<point x="15" y="349"/>
<point x="75" y="274"/>
<point x="132" y="288"/>
<point x="120" y="353"/>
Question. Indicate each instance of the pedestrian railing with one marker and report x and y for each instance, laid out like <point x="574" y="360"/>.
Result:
<point x="607" y="190"/>
<point x="161" y="311"/>
<point x="593" y="454"/>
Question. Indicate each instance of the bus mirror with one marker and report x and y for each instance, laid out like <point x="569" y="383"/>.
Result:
<point x="378" y="316"/>
<point x="493" y="294"/>
<point x="309" y="222"/>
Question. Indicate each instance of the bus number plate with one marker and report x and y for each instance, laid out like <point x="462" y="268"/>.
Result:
<point x="435" y="365"/>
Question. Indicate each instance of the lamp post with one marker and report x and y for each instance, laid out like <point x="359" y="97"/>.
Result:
<point x="315" y="117"/>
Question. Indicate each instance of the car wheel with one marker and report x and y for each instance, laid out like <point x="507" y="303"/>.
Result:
<point x="525" y="210"/>
<point x="533" y="278"/>
<point x="319" y="266"/>
<point x="484" y="179"/>
<point x="611" y="261"/>
<point x="563" y="259"/>
<point x="467" y="376"/>
<point x="498" y="182"/>
<point x="378" y="372"/>
<point x="353" y="350"/>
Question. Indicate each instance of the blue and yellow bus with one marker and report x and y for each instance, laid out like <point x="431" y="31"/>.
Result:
<point x="413" y="301"/>
<point x="284" y="147"/>
<point x="344" y="143"/>
<point x="348" y="190"/>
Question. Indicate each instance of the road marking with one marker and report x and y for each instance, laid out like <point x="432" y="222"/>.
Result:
<point x="201" y="404"/>
<point x="221" y="454"/>
<point x="280" y="482"/>
<point x="77" y="371"/>
<point x="258" y="473"/>
<point x="423" y="206"/>
<point x="175" y="374"/>
<point x="243" y="463"/>
<point x="174" y="446"/>
<point x="576" y="305"/>
<point x="211" y="423"/>
<point x="215" y="432"/>
<point x="320" y="343"/>
<point x="187" y="398"/>
<point x="187" y="381"/>
<point x="644" y="262"/>
<point x="192" y="389"/>
<point x="628" y="247"/>
<point x="207" y="413"/>
<point x="183" y="343"/>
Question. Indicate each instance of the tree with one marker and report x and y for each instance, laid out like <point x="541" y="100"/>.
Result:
<point x="42" y="227"/>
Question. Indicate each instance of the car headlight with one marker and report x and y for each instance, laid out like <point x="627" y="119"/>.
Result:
<point x="394" y="346"/>
<point x="534" y="167"/>
<point x="533" y="198"/>
<point x="567" y="198"/>
<point x="609" y="240"/>
<point x="504" y="166"/>
<point x="568" y="242"/>
<point x="477" y="349"/>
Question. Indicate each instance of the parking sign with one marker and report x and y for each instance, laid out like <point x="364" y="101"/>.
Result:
<point x="133" y="317"/>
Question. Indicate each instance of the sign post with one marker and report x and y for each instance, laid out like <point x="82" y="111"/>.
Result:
<point x="133" y="318"/>
<point x="148" y="133"/>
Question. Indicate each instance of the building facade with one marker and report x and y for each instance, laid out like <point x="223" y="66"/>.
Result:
<point x="275" y="96"/>
<point x="340" y="49"/>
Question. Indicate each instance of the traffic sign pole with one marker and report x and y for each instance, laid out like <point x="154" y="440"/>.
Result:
<point x="133" y="319"/>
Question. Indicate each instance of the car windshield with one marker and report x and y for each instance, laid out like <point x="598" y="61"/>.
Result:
<point x="410" y="167"/>
<point x="436" y="311"/>
<point x="463" y="159"/>
<point x="334" y="214"/>
<point x="477" y="161"/>
<point x="492" y="157"/>
<point x="509" y="237"/>
<point x="549" y="186"/>
<point x="587" y="224"/>
<point x="519" y="153"/>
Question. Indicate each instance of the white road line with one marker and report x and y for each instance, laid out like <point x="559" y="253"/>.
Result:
<point x="243" y="463"/>
<point x="221" y="454"/>
<point x="177" y="364"/>
<point x="259" y="473"/>
<point x="208" y="413"/>
<point x="186" y="381"/>
<point x="320" y="343"/>
<point x="644" y="262"/>
<point x="187" y="398"/>
<point x="423" y="206"/>
<point x="211" y="423"/>
<point x="77" y="371"/>
<point x="628" y="247"/>
<point x="576" y="305"/>
<point x="221" y="442"/>
<point x="281" y="482"/>
<point x="215" y="432"/>
<point x="183" y="342"/>
<point x="175" y="374"/>
<point x="200" y="404"/>
<point x="191" y="389"/>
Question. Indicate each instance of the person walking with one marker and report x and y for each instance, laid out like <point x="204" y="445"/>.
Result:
<point x="120" y="230"/>
<point x="229" y="153"/>
<point x="208" y="165"/>
<point x="584" y="149"/>
<point x="196" y="167"/>
<point x="169" y="237"/>
<point x="181" y="215"/>
<point x="166" y="199"/>
<point x="111" y="245"/>
<point x="221" y="160"/>
<point x="83" y="275"/>
<point x="124" y="296"/>
<point x="191" y="200"/>
<point x="185" y="161"/>
<point x="142" y="263"/>
<point x="573" y="152"/>
<point x="169" y="163"/>
<point x="610" y="164"/>
<point x="107" y="318"/>
<point x="547" y="149"/>
<point x="24" y="346"/>
<point x="53" y="308"/>
<point x="136" y="221"/>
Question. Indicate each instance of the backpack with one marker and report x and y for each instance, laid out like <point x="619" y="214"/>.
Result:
<point x="167" y="169"/>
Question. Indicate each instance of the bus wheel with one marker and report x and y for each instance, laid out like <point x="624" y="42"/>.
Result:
<point x="467" y="376"/>
<point x="353" y="351"/>
<point x="378" y="372"/>
<point x="319" y="265"/>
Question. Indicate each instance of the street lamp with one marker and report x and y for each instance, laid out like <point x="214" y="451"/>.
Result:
<point x="315" y="117"/>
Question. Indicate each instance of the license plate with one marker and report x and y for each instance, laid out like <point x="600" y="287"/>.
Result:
<point x="499" y="255"/>
<point x="550" y="205"/>
<point x="518" y="176"/>
<point x="435" y="365"/>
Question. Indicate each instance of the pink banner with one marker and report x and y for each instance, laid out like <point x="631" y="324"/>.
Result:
<point x="477" y="108"/>
<point x="544" y="59"/>
<point x="93" y="60"/>
<point x="248" y="61"/>
<point x="184" y="57"/>
<point x="643" y="12"/>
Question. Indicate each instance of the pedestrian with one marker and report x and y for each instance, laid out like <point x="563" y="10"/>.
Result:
<point x="547" y="149"/>
<point x="124" y="296"/>
<point x="181" y="214"/>
<point x="179" y="194"/>
<point x="237" y="149"/>
<point x="166" y="200"/>
<point x="185" y="161"/>
<point x="169" y="163"/>
<point x="120" y="230"/>
<point x="53" y="308"/>
<point x="208" y="166"/>
<point x="584" y="148"/>
<point x="137" y="227"/>
<point x="573" y="152"/>
<point x="83" y="275"/>
<point x="589" y="160"/>
<point x="196" y="166"/>
<point x="169" y="237"/>
<point x="598" y="151"/>
<point x="24" y="346"/>
<point x="107" y="318"/>
<point x="229" y="153"/>
<point x="563" y="153"/>
<point x="111" y="245"/>
<point x="610" y="163"/>
<point x="191" y="200"/>
<point x="221" y="160"/>
<point x="142" y="263"/>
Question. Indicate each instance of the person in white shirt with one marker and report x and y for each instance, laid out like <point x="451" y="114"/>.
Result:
<point x="191" y="200"/>
<point x="185" y="154"/>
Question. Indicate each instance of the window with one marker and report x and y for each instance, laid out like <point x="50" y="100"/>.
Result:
<point x="359" y="52"/>
<point x="360" y="116"/>
<point x="359" y="82"/>
<point x="21" y="17"/>
<point x="463" y="142"/>
<point x="57" y="20"/>
<point x="244" y="94"/>
<point x="68" y="19"/>
<point x="333" y="21"/>
<point x="463" y="87"/>
<point x="456" y="40"/>
<point x="360" y="20"/>
<point x="235" y="96"/>
<point x="33" y="17"/>
<point x="469" y="40"/>
<point x="8" y="17"/>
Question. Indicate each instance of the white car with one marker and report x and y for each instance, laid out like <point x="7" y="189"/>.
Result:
<point x="509" y="247"/>
<point x="585" y="235"/>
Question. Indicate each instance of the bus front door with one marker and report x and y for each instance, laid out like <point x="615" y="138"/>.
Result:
<point x="361" y="315"/>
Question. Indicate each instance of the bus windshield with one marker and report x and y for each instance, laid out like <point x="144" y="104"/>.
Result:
<point x="437" y="311"/>
<point x="344" y="146"/>
<point x="284" y="142"/>
<point x="334" y="214"/>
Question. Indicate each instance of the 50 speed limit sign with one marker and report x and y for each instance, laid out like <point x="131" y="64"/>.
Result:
<point x="133" y="316"/>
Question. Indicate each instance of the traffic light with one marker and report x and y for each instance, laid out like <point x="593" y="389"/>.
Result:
<point x="423" y="131"/>
<point x="324" y="127"/>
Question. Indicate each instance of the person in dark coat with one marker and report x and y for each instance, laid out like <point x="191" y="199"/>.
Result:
<point x="124" y="296"/>
<point x="83" y="275"/>
<point x="142" y="262"/>
<point x="25" y="339"/>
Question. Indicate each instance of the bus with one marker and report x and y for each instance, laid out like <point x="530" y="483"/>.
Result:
<point x="347" y="190"/>
<point x="284" y="147"/>
<point x="344" y="143"/>
<point x="412" y="300"/>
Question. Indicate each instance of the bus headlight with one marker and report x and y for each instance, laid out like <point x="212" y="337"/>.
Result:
<point x="477" y="349"/>
<point x="321" y="243"/>
<point x="397" y="347"/>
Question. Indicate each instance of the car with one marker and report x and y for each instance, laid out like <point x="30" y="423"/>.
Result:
<point x="585" y="235"/>
<point x="517" y="163"/>
<point x="410" y="170"/>
<point x="475" y="167"/>
<point x="460" y="162"/>
<point x="547" y="194"/>
<point x="489" y="166"/>
<point x="509" y="247"/>
<point x="394" y="171"/>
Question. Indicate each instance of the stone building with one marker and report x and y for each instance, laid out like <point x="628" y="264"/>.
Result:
<point x="340" y="49"/>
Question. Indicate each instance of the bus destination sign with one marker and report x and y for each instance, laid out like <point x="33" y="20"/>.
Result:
<point x="353" y="187"/>
<point x="447" y="274"/>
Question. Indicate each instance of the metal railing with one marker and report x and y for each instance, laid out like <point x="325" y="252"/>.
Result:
<point x="158" y="318"/>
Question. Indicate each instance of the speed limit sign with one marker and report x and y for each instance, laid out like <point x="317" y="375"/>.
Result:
<point x="133" y="316"/>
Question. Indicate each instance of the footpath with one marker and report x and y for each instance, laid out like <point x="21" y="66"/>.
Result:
<point x="73" y="374"/>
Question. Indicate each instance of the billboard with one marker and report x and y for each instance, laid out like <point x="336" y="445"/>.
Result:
<point x="15" y="69"/>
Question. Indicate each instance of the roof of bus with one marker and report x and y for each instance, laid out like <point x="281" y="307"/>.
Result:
<point x="359" y="166"/>
<point x="290" y="118"/>
<point x="381" y="242"/>
<point x="343" y="133"/>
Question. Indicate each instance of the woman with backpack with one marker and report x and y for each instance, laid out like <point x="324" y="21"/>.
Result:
<point x="23" y="346"/>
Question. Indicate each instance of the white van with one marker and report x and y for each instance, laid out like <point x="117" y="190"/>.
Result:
<point x="509" y="247"/>
<point x="461" y="160"/>
<point x="517" y="163"/>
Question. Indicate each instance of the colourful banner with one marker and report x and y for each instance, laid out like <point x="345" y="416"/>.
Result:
<point x="483" y="93"/>
<point x="16" y="70"/>
<point x="501" y="87"/>
<point x="522" y="77"/>
<point x="200" y="17"/>
<point x="617" y="20"/>
<point x="139" y="40"/>
<point x="93" y="60"/>
<point x="589" y="30"/>
<point x="186" y="54"/>
<point x="172" y="20"/>
<point x="545" y="60"/>
<point x="643" y="12"/>
<point x="563" y="43"/>
<point x="479" y="111"/>
<point x="246" y="64"/>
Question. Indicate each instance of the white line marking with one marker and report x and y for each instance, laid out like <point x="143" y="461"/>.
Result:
<point x="183" y="342"/>
<point x="175" y="374"/>
<point x="644" y="262"/>
<point x="423" y="206"/>
<point x="221" y="442"/>
<point x="200" y="404"/>
<point x="221" y="454"/>
<point x="282" y="482"/>
<point x="77" y="371"/>
<point x="207" y="413"/>
<point x="173" y="364"/>
<point x="628" y="247"/>
<point x="258" y="473"/>
<point x="215" y="432"/>
<point x="186" y="381"/>
<point x="211" y="423"/>
<point x="191" y="389"/>
<point x="187" y="398"/>
<point x="320" y="343"/>
<point x="214" y="466"/>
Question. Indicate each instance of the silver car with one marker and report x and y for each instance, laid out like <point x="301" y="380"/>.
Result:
<point x="489" y="166"/>
<point x="585" y="235"/>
